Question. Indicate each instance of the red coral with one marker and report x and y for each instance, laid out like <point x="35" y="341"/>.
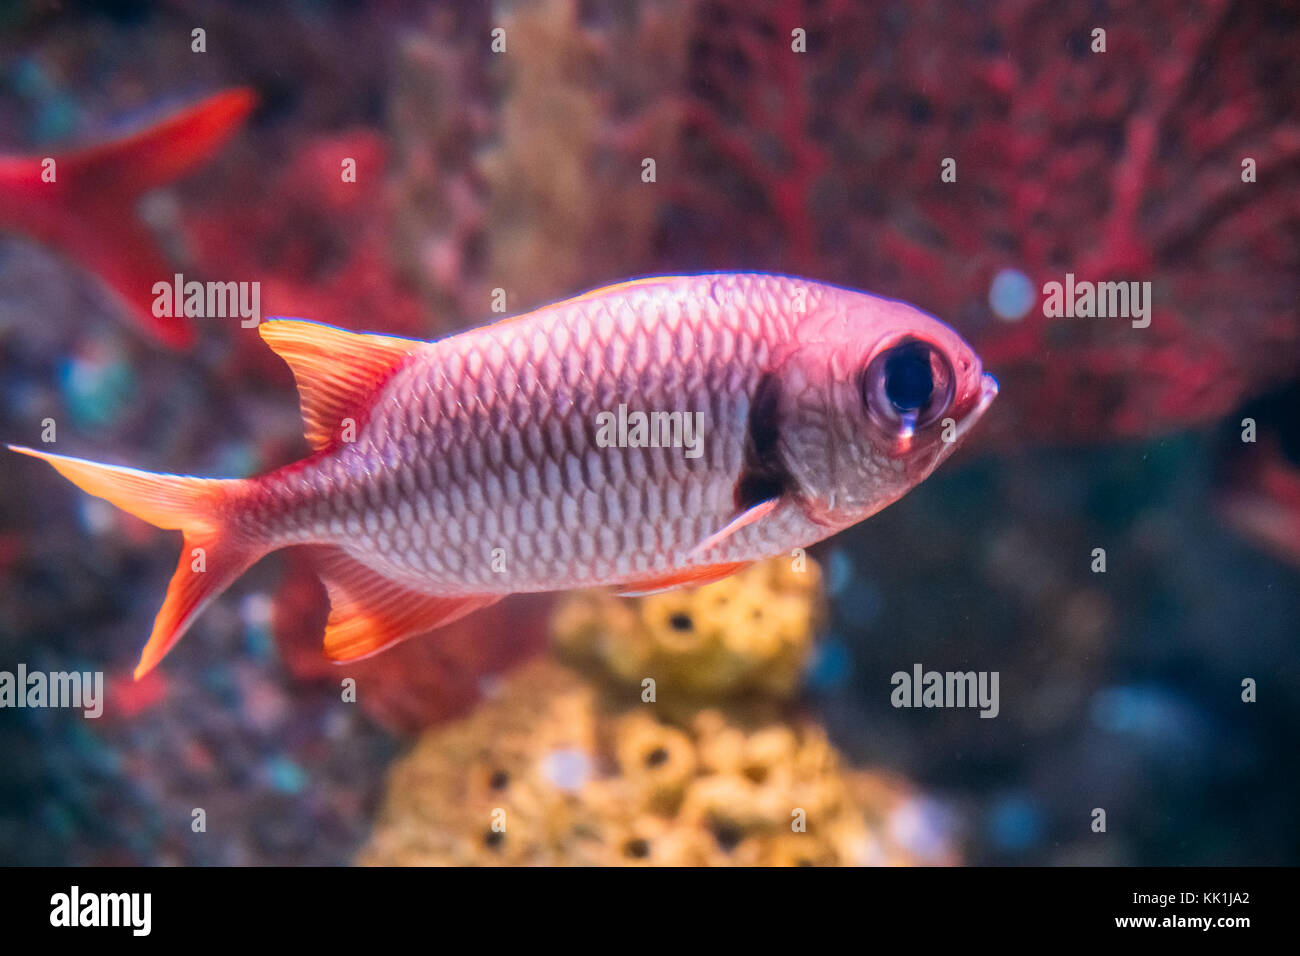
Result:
<point x="1123" y="165"/>
<point x="317" y="244"/>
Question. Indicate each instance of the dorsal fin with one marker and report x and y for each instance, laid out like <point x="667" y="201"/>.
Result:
<point x="617" y="287"/>
<point x="337" y="371"/>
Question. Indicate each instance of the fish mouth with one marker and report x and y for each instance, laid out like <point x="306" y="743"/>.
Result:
<point x="988" y="392"/>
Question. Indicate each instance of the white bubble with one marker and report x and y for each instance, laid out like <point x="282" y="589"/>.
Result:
<point x="255" y="610"/>
<point x="922" y="826"/>
<point x="1011" y="295"/>
<point x="567" y="769"/>
<point x="97" y="516"/>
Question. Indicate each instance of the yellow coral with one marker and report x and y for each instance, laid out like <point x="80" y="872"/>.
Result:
<point x="657" y="760"/>
<point x="751" y="632"/>
<point x="561" y="160"/>
<point x="588" y="767"/>
<point x="552" y="772"/>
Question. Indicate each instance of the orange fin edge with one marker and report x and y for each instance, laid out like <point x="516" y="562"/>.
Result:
<point x="689" y="577"/>
<point x="337" y="371"/>
<point x="211" y="558"/>
<point x="370" y="613"/>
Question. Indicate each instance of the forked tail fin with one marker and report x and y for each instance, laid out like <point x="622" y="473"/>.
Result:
<point x="214" y="555"/>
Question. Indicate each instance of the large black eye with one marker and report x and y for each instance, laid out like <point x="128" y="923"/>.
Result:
<point x="907" y="387"/>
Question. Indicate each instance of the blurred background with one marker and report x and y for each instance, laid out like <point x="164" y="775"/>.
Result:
<point x="801" y="137"/>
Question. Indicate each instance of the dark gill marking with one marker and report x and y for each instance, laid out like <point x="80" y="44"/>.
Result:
<point x="763" y="475"/>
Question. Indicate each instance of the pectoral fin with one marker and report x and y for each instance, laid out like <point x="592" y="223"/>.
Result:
<point x="687" y="577"/>
<point x="742" y="520"/>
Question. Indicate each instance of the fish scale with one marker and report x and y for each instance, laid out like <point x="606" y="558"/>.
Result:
<point x="448" y="474"/>
<point x="595" y="499"/>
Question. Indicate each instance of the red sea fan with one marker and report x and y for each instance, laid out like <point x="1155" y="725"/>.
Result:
<point x="317" y="242"/>
<point x="1122" y="165"/>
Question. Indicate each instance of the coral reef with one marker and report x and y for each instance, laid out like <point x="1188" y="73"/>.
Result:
<point x="553" y="772"/>
<point x="1121" y="165"/>
<point x="542" y="196"/>
<point x="570" y="766"/>
<point x="438" y="119"/>
<point x="1126" y="163"/>
<point x="581" y="108"/>
<point x="750" y="632"/>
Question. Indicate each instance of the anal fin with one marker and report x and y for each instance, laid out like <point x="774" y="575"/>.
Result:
<point x="369" y="612"/>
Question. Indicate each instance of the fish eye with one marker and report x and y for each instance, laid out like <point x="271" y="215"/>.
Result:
<point x="907" y="387"/>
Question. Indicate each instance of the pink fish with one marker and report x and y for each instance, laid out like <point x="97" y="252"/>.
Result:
<point x="648" y="435"/>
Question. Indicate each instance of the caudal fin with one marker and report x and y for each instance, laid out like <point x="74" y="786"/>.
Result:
<point x="214" y="555"/>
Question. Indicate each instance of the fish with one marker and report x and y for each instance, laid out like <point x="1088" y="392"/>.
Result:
<point x="88" y="215"/>
<point x="446" y="475"/>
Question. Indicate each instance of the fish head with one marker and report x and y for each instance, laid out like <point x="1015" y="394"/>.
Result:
<point x="875" y="394"/>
